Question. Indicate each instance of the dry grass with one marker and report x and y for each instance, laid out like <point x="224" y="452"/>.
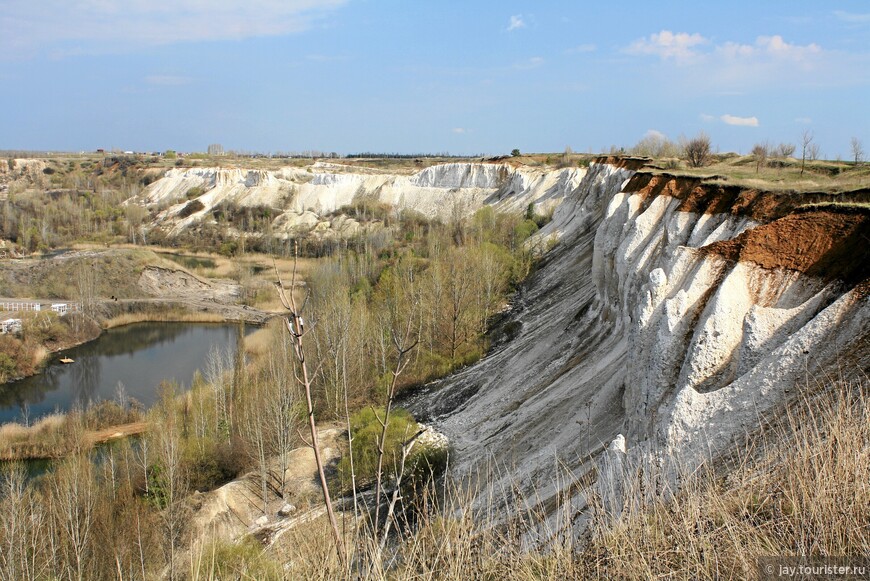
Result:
<point x="172" y="316"/>
<point x="13" y="432"/>
<point x="43" y="439"/>
<point x="799" y="487"/>
<point x="57" y="435"/>
<point x="260" y="341"/>
<point x="783" y="174"/>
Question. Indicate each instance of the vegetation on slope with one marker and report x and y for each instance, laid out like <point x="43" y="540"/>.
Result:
<point x="448" y="280"/>
<point x="797" y="487"/>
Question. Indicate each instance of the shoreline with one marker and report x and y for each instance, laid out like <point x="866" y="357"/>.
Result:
<point x="145" y="311"/>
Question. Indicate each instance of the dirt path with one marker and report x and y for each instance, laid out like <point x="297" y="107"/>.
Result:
<point x="115" y="433"/>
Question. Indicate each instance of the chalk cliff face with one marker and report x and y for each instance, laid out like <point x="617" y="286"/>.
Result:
<point x="673" y="317"/>
<point x="306" y="200"/>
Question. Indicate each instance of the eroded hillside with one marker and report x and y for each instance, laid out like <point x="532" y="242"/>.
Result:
<point x="673" y="318"/>
<point x="312" y="201"/>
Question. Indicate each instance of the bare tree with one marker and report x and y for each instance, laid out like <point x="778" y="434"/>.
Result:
<point x="73" y="498"/>
<point x="857" y="150"/>
<point x="806" y="148"/>
<point x="23" y="551"/>
<point x="785" y="149"/>
<point x="170" y="479"/>
<point x="760" y="152"/>
<point x="698" y="150"/>
<point x="279" y="408"/>
<point x="403" y="344"/>
<point x="295" y="325"/>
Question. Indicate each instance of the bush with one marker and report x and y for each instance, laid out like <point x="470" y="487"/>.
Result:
<point x="366" y="430"/>
<point x="210" y="464"/>
<point x="244" y="559"/>
<point x="15" y="359"/>
<point x="698" y="150"/>
<point x="191" y="208"/>
<point x="194" y="192"/>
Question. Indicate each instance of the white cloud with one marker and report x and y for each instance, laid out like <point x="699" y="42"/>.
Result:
<point x="654" y="134"/>
<point x="64" y="27"/>
<point x="729" y="67"/>
<point x="668" y="45"/>
<point x="803" y="120"/>
<point x="740" y="121"/>
<point x="706" y="117"/>
<point x="770" y="47"/>
<point x="459" y="130"/>
<point x="851" y="17"/>
<point x="516" y="23"/>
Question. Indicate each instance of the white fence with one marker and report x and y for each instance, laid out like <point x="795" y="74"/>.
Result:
<point x="35" y="306"/>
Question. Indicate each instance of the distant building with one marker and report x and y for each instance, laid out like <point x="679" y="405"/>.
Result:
<point x="10" y="326"/>
<point x="60" y="308"/>
<point x="215" y="149"/>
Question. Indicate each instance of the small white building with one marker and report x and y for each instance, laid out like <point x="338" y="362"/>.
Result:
<point x="10" y="326"/>
<point x="60" y="308"/>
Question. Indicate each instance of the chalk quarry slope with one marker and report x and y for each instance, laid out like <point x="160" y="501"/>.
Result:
<point x="673" y="317"/>
<point x="308" y="201"/>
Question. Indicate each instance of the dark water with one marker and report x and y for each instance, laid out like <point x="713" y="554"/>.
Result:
<point x="139" y="356"/>
<point x="191" y="262"/>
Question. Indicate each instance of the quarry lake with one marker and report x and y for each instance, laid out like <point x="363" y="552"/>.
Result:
<point x="137" y="356"/>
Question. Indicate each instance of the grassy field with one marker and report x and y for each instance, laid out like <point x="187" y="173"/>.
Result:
<point x="777" y="174"/>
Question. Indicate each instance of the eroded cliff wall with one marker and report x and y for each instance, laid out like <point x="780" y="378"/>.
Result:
<point x="671" y="320"/>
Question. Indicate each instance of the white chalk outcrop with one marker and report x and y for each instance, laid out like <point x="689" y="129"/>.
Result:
<point x="635" y="327"/>
<point x="306" y="200"/>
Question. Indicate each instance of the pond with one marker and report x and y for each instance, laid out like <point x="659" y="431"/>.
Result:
<point x="137" y="356"/>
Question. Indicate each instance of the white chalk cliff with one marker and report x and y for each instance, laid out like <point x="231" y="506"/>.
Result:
<point x="306" y="200"/>
<point x="653" y="333"/>
<point x="672" y="318"/>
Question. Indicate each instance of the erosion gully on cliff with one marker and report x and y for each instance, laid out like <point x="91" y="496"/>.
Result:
<point x="673" y="317"/>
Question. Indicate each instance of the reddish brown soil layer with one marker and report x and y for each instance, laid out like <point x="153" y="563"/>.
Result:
<point x="700" y="197"/>
<point x="829" y="244"/>
<point x="631" y="163"/>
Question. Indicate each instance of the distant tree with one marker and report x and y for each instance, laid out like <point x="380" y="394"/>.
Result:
<point x="760" y="153"/>
<point x="806" y="148"/>
<point x="515" y="152"/>
<point x="857" y="150"/>
<point x="785" y="149"/>
<point x="697" y="150"/>
<point x="656" y="145"/>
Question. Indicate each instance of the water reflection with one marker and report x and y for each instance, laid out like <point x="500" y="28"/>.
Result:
<point x="138" y="356"/>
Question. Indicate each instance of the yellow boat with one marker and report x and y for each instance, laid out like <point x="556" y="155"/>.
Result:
<point x="67" y="360"/>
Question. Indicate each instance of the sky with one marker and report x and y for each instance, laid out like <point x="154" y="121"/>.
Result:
<point x="460" y="76"/>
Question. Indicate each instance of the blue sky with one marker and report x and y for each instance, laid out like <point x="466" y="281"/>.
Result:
<point x="459" y="76"/>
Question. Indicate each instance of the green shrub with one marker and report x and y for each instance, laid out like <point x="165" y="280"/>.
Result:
<point x="210" y="463"/>
<point x="366" y="431"/>
<point x="191" y="208"/>
<point x="244" y="559"/>
<point x="194" y="192"/>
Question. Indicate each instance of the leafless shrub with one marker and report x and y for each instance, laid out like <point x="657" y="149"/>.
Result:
<point x="697" y="150"/>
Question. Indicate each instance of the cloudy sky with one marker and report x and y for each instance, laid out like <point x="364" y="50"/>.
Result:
<point x="460" y="76"/>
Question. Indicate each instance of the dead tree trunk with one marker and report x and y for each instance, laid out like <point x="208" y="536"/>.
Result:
<point x="296" y="328"/>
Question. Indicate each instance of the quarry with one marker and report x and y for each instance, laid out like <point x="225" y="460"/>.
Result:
<point x="668" y="318"/>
